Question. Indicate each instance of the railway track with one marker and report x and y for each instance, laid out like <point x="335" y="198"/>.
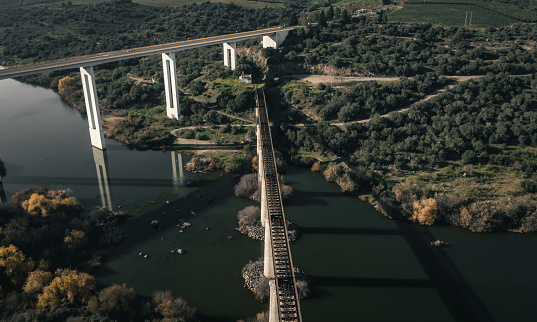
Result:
<point x="287" y="295"/>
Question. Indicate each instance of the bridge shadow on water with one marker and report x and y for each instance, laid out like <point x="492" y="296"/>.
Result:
<point x="72" y="181"/>
<point x="443" y="276"/>
<point x="307" y="198"/>
<point x="347" y="231"/>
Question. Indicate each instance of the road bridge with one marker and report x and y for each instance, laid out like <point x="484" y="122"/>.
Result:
<point x="278" y="264"/>
<point x="272" y="38"/>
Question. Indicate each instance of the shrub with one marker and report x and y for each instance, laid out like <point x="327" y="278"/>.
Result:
<point x="247" y="186"/>
<point x="249" y="216"/>
<point x="425" y="211"/>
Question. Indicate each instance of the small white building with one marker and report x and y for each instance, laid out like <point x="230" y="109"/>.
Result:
<point x="245" y="78"/>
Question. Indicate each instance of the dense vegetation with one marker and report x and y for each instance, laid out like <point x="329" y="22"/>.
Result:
<point x="48" y="250"/>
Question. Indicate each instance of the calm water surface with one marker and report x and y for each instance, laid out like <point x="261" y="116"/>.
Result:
<point x="362" y="265"/>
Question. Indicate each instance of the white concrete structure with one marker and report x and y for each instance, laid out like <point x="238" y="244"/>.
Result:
<point x="230" y="55"/>
<point x="274" y="314"/>
<point x="177" y="168"/>
<point x="101" y="165"/>
<point x="275" y="40"/>
<point x="92" y="107"/>
<point x="170" y="85"/>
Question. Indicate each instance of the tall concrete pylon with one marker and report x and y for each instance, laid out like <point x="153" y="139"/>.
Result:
<point x="177" y="168"/>
<point x="92" y="107"/>
<point x="170" y="85"/>
<point x="275" y="40"/>
<point x="101" y="166"/>
<point x="230" y="55"/>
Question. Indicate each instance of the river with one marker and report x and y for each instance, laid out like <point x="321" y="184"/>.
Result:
<point x="363" y="267"/>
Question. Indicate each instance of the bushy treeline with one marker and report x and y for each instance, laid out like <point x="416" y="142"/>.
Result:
<point x="474" y="116"/>
<point x="362" y="100"/>
<point x="364" y="47"/>
<point x="48" y="251"/>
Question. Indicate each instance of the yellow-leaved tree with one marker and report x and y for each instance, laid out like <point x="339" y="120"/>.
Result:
<point x="68" y="286"/>
<point x="66" y="87"/>
<point x="15" y="264"/>
<point x="425" y="211"/>
<point x="36" y="281"/>
<point x="43" y="204"/>
<point x="37" y="204"/>
<point x="75" y="239"/>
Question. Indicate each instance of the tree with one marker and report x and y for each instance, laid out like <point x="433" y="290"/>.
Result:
<point x="15" y="264"/>
<point x="36" y="281"/>
<point x="115" y="300"/>
<point x="322" y="19"/>
<point x="38" y="204"/>
<point x="293" y="21"/>
<point x="69" y="285"/>
<point x="249" y="216"/>
<point x="425" y="211"/>
<point x="331" y="174"/>
<point x="172" y="309"/>
<point x="345" y="16"/>
<point x="330" y="13"/>
<point x="247" y="186"/>
<point x="66" y="87"/>
<point x="75" y="239"/>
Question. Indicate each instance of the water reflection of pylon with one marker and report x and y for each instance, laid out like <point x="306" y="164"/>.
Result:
<point x="3" y="198"/>
<point x="177" y="166"/>
<point x="101" y="165"/>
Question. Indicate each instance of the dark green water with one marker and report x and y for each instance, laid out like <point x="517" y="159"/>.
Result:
<point x="363" y="266"/>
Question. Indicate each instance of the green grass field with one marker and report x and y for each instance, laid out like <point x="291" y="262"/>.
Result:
<point x="449" y="15"/>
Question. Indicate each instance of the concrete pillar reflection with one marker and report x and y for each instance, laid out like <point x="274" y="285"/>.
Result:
<point x="230" y="55"/>
<point x="170" y="85"/>
<point x="101" y="165"/>
<point x="177" y="168"/>
<point x="3" y="198"/>
<point x="92" y="107"/>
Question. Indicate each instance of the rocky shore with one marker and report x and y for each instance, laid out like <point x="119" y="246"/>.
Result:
<point x="257" y="232"/>
<point x="255" y="281"/>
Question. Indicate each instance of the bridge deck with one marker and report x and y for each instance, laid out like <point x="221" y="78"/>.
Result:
<point x="288" y="304"/>
<point x="107" y="57"/>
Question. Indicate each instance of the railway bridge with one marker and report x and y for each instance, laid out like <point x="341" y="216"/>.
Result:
<point x="278" y="264"/>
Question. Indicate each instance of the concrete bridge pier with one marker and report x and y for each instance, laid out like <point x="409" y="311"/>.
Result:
<point x="170" y="85"/>
<point x="101" y="165"/>
<point x="92" y="107"/>
<point x="275" y="40"/>
<point x="230" y="55"/>
<point x="177" y="167"/>
<point x="274" y="315"/>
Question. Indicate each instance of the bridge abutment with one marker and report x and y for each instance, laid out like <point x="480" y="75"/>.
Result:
<point x="275" y="40"/>
<point x="170" y="85"/>
<point x="230" y="55"/>
<point x="92" y="107"/>
<point x="101" y="165"/>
